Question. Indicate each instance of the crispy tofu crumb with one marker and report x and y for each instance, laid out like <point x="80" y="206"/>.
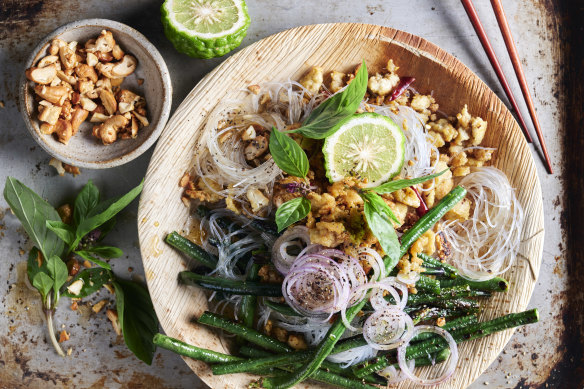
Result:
<point x="440" y="322"/>
<point x="99" y="306"/>
<point x="63" y="336"/>
<point x="112" y="315"/>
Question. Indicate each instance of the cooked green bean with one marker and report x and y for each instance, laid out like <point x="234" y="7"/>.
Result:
<point x="284" y="309"/>
<point x="231" y="286"/>
<point x="427" y="284"/>
<point x="249" y="334"/>
<point x="429" y="261"/>
<point x="191" y="351"/>
<point x="496" y="284"/>
<point x="191" y="249"/>
<point x="377" y="364"/>
<point x="249" y="302"/>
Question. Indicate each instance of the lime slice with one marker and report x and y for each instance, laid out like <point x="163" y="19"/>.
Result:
<point x="367" y="145"/>
<point x="205" y="28"/>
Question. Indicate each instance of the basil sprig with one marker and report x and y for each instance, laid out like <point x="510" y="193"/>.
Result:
<point x="392" y="186"/>
<point x="292" y="211"/>
<point x="287" y="154"/>
<point x="323" y="121"/>
<point x="379" y="216"/>
<point x="92" y="221"/>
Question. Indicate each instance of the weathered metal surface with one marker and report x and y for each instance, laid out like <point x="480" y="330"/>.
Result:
<point x="548" y="354"/>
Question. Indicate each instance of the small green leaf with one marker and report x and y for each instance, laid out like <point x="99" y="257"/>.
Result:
<point x="392" y="186"/>
<point x="379" y="222"/>
<point x="137" y="318"/>
<point x="87" y="256"/>
<point x="93" y="280"/>
<point x="287" y="154"/>
<point x="104" y="211"/>
<point x="378" y="204"/>
<point x="86" y="201"/>
<point x="43" y="283"/>
<point x="63" y="231"/>
<point x="58" y="271"/>
<point x="106" y="251"/>
<point x="292" y="211"/>
<point x="33" y="212"/>
<point x="106" y="228"/>
<point x="323" y="120"/>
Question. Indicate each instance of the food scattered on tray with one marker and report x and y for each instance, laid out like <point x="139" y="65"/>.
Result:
<point x="346" y="232"/>
<point x="78" y="82"/>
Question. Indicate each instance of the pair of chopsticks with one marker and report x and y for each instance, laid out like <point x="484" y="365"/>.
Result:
<point x="504" y="27"/>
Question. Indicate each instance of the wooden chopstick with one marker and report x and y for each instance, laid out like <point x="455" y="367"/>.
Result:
<point x="510" y="43"/>
<point x="478" y="27"/>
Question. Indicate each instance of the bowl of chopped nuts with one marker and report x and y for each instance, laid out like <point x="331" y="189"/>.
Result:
<point x="95" y="93"/>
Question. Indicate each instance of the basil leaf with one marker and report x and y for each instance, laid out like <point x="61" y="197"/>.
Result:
<point x="292" y="211"/>
<point x="106" y="228"/>
<point x="43" y="283"/>
<point x="137" y="318"/>
<point x="106" y="251"/>
<point x="392" y="186"/>
<point x="287" y="154"/>
<point x="63" y="231"/>
<point x="104" y="211"/>
<point x="379" y="222"/>
<point x="58" y="271"/>
<point x="33" y="212"/>
<point x="85" y="202"/>
<point x="87" y="256"/>
<point x="93" y="280"/>
<point x="379" y="205"/>
<point x="323" y="120"/>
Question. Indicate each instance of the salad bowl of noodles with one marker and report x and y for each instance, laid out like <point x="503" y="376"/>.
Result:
<point x="341" y="204"/>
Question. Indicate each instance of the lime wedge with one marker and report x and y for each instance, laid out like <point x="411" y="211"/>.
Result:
<point x="205" y="28"/>
<point x="367" y="145"/>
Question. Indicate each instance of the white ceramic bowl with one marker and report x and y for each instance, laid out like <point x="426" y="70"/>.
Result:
<point x="84" y="150"/>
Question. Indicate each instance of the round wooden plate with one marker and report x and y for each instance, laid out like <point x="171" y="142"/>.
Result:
<point x="287" y="55"/>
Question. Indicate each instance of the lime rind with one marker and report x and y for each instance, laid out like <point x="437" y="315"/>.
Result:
<point x="377" y="133"/>
<point x="204" y="44"/>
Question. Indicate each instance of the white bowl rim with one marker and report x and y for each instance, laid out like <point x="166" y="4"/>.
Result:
<point x="164" y="74"/>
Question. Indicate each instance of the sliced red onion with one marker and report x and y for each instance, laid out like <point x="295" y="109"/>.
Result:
<point x="452" y="361"/>
<point x="317" y="285"/>
<point x="296" y="236"/>
<point x="394" y="375"/>
<point x="388" y="329"/>
<point x="410" y="279"/>
<point x="374" y="260"/>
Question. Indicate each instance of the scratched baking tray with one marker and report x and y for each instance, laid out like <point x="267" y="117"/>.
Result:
<point x="546" y="355"/>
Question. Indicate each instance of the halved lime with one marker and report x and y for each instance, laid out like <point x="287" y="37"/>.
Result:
<point x="366" y="145"/>
<point x="205" y="28"/>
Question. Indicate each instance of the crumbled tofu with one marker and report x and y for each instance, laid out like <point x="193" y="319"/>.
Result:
<point x="337" y="81"/>
<point x="382" y="85"/>
<point x="312" y="81"/>
<point x="297" y="342"/>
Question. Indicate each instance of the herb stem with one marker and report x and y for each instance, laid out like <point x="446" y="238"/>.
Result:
<point x="49" y="310"/>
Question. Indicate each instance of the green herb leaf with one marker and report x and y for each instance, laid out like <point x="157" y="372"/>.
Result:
<point x="93" y="280"/>
<point x="85" y="254"/>
<point x="323" y="120"/>
<point x="63" y="231"/>
<point x="58" y="272"/>
<point x="33" y="212"/>
<point x="104" y="211"/>
<point x="85" y="202"/>
<point x="106" y="251"/>
<point x="287" y="154"/>
<point x="292" y="211"/>
<point x="43" y="283"/>
<point x="137" y="318"/>
<point x="106" y="228"/>
<point x="378" y="216"/>
<point x="392" y="186"/>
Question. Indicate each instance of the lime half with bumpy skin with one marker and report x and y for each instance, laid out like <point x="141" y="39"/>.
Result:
<point x="205" y="28"/>
<point x="367" y="146"/>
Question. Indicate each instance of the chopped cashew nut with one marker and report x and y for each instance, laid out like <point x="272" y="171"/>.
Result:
<point x="108" y="100"/>
<point x="112" y="315"/>
<point x="257" y="199"/>
<point x="42" y="75"/>
<point x="75" y="287"/>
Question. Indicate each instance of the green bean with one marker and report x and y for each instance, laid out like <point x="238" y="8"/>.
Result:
<point x="284" y="309"/>
<point x="427" y="284"/>
<point x="378" y="364"/>
<point x="451" y="325"/>
<point x="191" y="351"/>
<point x="231" y="286"/>
<point x="191" y="249"/>
<point x="249" y="302"/>
<point x="429" y="219"/>
<point x="249" y="334"/>
<point x="251" y="365"/>
<point x="429" y="261"/>
<point x="496" y="284"/>
<point x="349" y="343"/>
